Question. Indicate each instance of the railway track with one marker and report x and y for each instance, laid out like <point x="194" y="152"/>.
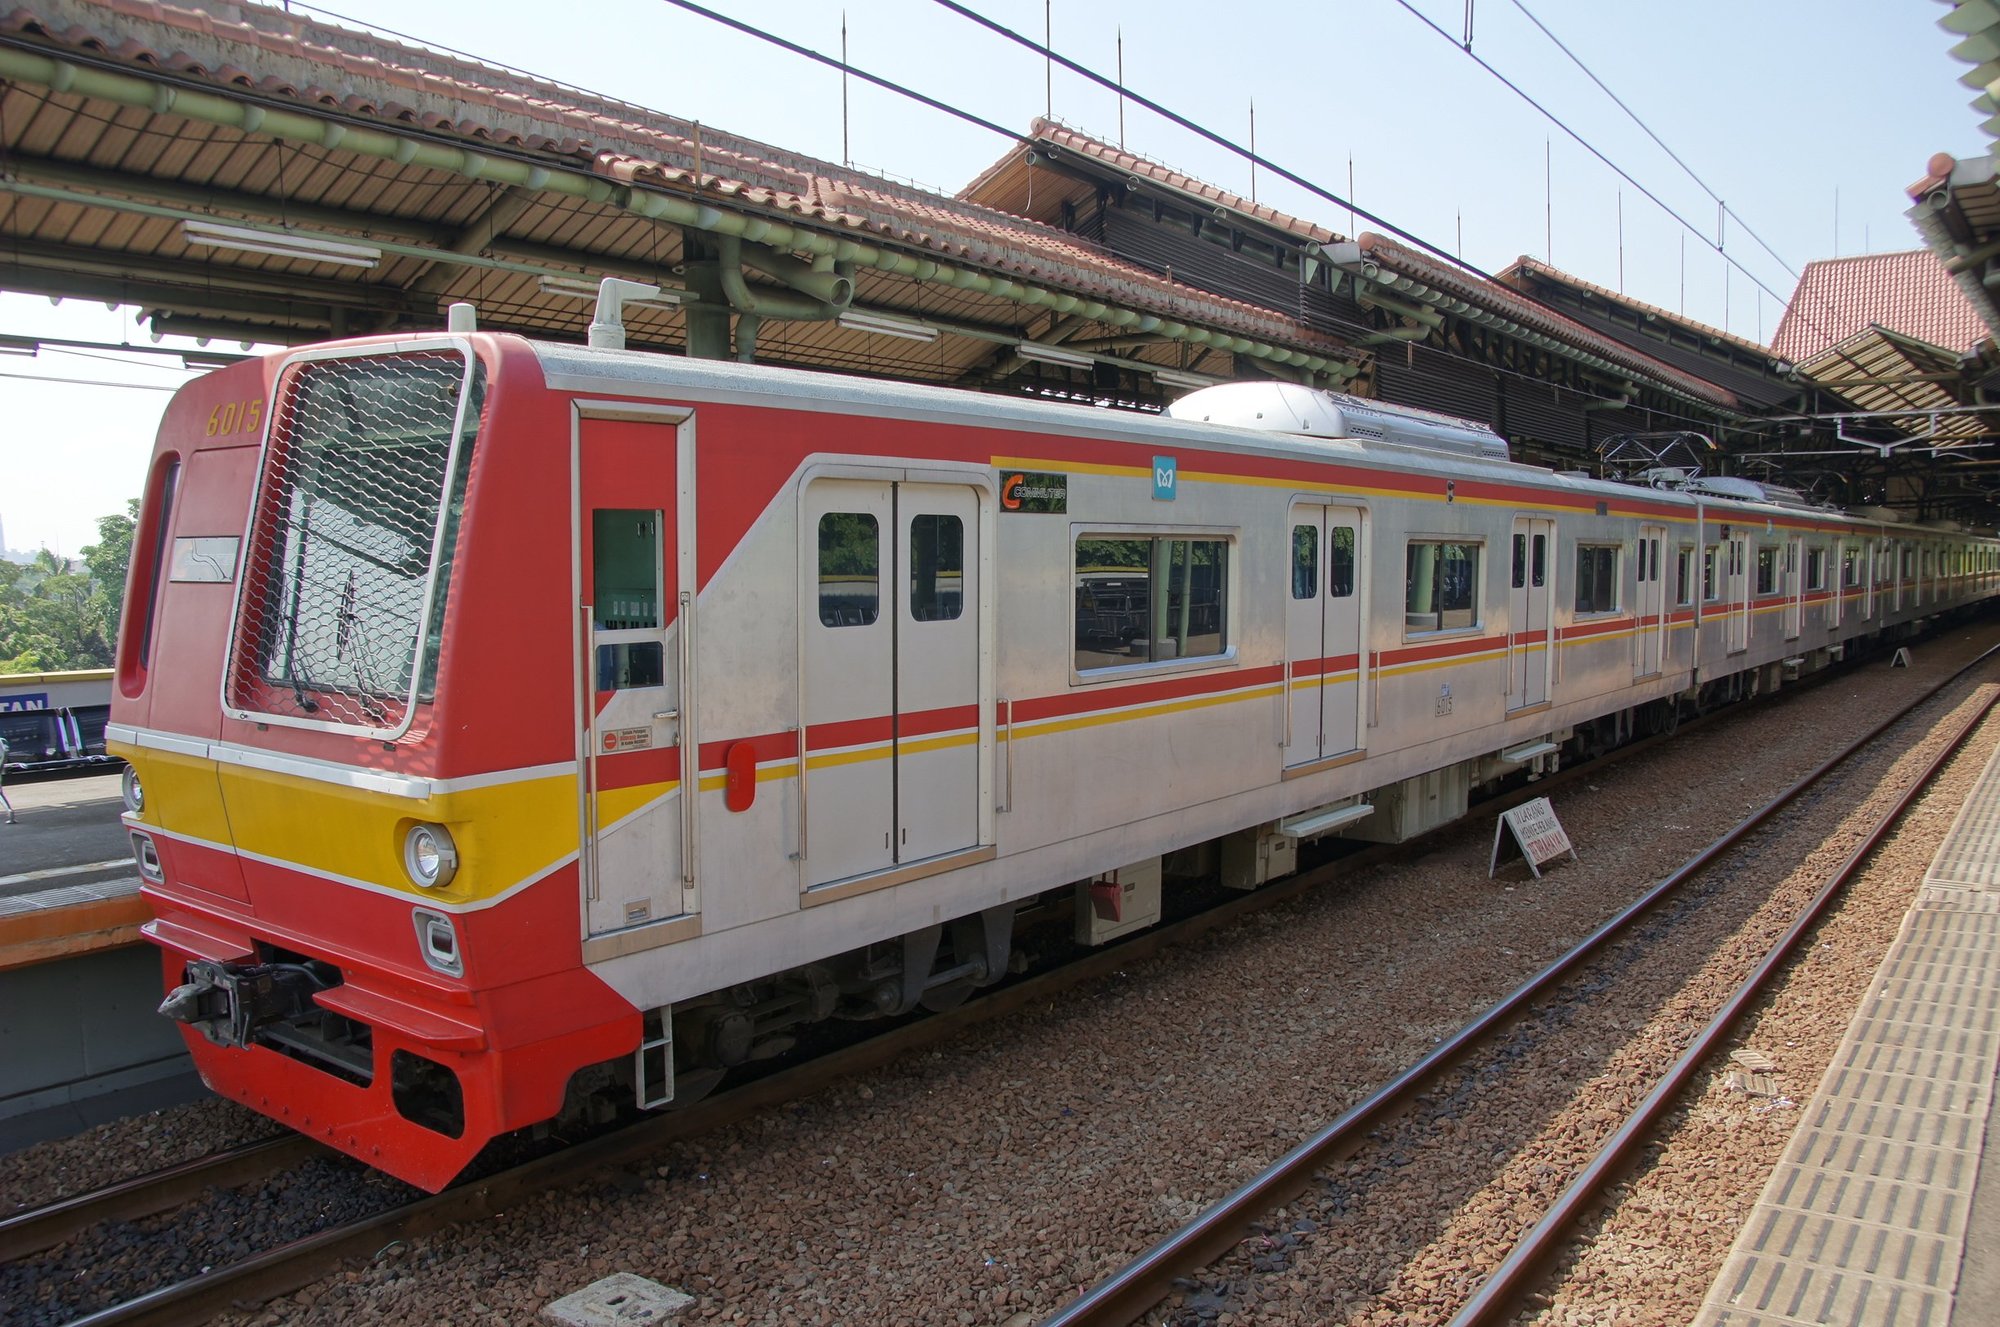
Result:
<point x="46" y="1226"/>
<point x="289" y="1266"/>
<point x="1179" y="1258"/>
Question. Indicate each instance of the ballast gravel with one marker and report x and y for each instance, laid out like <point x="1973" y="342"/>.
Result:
<point x="988" y="1181"/>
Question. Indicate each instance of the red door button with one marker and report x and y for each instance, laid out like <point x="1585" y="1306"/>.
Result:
<point x="739" y="786"/>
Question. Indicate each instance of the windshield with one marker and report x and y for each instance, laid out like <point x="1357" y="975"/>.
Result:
<point x="350" y="560"/>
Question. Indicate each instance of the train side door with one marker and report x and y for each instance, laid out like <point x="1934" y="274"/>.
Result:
<point x="1794" y="586"/>
<point x="1323" y="634"/>
<point x="1739" y="593"/>
<point x="890" y="675"/>
<point x="1529" y="657"/>
<point x="937" y="670"/>
<point x="1651" y="602"/>
<point x="632" y="614"/>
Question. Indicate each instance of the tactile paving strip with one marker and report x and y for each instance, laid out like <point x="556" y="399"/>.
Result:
<point x="63" y="896"/>
<point x="1863" y="1221"/>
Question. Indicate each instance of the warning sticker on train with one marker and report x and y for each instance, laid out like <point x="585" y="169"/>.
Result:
<point x="1532" y="832"/>
<point x="626" y="739"/>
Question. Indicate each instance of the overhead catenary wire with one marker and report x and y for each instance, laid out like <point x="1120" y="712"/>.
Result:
<point x="1199" y="130"/>
<point x="1658" y="141"/>
<point x="1222" y="141"/>
<point x="959" y="113"/>
<point x="1052" y="57"/>
<point x="1623" y="174"/>
<point x="890" y="85"/>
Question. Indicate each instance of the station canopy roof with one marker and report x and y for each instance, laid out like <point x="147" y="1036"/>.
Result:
<point x="247" y="173"/>
<point x="1062" y="168"/>
<point x="122" y="123"/>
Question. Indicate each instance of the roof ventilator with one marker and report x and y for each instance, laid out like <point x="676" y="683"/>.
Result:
<point x="1312" y="412"/>
<point x="607" y="324"/>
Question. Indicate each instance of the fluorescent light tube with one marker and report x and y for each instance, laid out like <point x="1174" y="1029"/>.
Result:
<point x="572" y="287"/>
<point x="1042" y="354"/>
<point x="1176" y="378"/>
<point x="282" y="244"/>
<point x="855" y="320"/>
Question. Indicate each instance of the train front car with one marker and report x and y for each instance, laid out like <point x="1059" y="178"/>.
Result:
<point x="357" y="828"/>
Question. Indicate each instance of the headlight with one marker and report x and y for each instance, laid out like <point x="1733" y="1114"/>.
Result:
<point x="430" y="856"/>
<point x="129" y="789"/>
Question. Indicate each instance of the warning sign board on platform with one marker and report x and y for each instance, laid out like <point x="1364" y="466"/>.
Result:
<point x="1532" y="832"/>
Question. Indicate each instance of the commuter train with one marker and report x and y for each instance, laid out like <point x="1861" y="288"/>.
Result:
<point x="519" y="728"/>
<point x="55" y="720"/>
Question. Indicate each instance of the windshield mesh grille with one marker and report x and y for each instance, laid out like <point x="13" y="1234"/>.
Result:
<point x="364" y="483"/>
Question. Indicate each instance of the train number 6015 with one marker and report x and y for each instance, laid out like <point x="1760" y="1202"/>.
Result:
<point x="236" y="417"/>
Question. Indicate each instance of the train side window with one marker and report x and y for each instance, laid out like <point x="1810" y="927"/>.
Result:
<point x="625" y="583"/>
<point x="1767" y="569"/>
<point x="1815" y="569"/>
<point x="1520" y="576"/>
<point x="1305" y="562"/>
<point x="1342" y="557"/>
<point x="1539" y="569"/>
<point x="625" y="570"/>
<point x="1597" y="578"/>
<point x="149" y="568"/>
<point x="1850" y="567"/>
<point x="937" y="567"/>
<point x="1683" y="579"/>
<point x="850" y="569"/>
<point x="1147" y="599"/>
<point x="1441" y="586"/>
<point x="1708" y="593"/>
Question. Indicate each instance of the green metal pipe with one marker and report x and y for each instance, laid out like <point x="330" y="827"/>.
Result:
<point x="51" y="194"/>
<point x="1430" y="318"/>
<point x="825" y="285"/>
<point x="763" y="302"/>
<point x="27" y="66"/>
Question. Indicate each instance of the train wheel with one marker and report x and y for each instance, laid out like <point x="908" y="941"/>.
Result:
<point x="943" y="999"/>
<point x="692" y="1085"/>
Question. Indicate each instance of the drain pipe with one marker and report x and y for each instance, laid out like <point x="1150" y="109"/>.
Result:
<point x="765" y="301"/>
<point x="827" y="284"/>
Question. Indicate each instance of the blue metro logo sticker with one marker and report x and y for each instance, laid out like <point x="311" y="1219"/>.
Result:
<point x="1164" y="477"/>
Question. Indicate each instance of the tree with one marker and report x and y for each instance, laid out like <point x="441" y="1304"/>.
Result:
<point x="54" y="615"/>
<point x="110" y="562"/>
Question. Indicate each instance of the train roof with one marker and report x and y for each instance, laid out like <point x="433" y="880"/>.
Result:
<point x="577" y="367"/>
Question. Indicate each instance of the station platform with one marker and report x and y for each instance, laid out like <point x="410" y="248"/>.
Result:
<point x="1885" y="1208"/>
<point x="67" y="883"/>
<point x="78" y="983"/>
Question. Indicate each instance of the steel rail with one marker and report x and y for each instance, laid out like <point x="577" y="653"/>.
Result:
<point x="1125" y="1295"/>
<point x="44" y="1227"/>
<point x="295" y="1264"/>
<point x="1502" y="1291"/>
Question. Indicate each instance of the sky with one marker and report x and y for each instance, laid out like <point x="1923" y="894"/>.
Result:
<point x="1809" y="118"/>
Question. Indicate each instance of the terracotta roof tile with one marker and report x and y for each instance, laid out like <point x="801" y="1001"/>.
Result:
<point x="1117" y="158"/>
<point x="363" y="74"/>
<point x="1910" y="293"/>
<point x="1532" y="314"/>
<point x="1536" y="267"/>
<point x="1474" y="289"/>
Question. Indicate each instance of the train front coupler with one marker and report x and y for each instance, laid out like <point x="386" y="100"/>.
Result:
<point x="228" y="1003"/>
